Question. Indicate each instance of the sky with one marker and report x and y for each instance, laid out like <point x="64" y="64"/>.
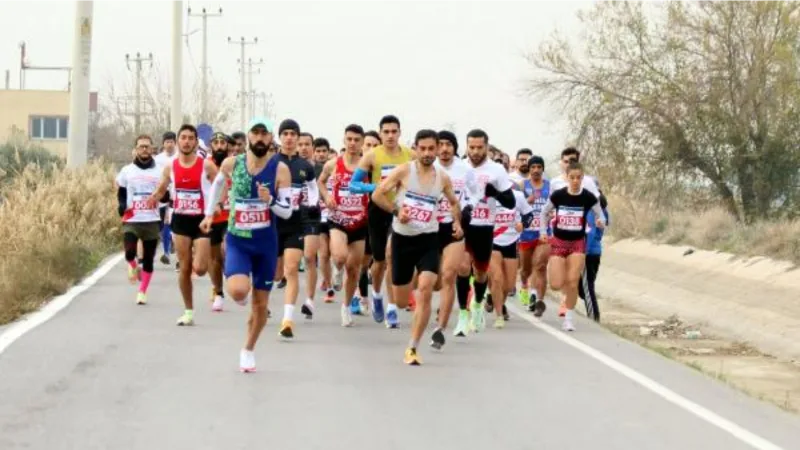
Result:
<point x="328" y="63"/>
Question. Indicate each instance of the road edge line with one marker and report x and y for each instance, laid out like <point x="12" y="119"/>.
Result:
<point x="748" y="437"/>
<point x="56" y="304"/>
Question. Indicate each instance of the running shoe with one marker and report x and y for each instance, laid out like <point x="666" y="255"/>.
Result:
<point x="437" y="339"/>
<point x="141" y="298"/>
<point x="247" y="361"/>
<point x="411" y="358"/>
<point x="462" y="328"/>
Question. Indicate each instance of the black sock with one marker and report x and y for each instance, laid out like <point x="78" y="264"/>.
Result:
<point x="480" y="290"/>
<point x="363" y="283"/>
<point x="462" y="290"/>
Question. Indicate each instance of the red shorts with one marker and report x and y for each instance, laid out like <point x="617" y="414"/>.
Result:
<point x="563" y="248"/>
<point x="529" y="245"/>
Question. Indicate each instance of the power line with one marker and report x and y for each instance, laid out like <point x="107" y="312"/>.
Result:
<point x="204" y="65"/>
<point x="243" y="92"/>
<point x="138" y="60"/>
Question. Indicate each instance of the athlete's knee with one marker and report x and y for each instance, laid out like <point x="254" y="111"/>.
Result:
<point x="447" y="276"/>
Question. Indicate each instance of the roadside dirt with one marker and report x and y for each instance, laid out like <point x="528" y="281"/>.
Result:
<point x="736" y="363"/>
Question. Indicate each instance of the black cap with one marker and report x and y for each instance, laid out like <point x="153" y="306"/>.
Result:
<point x="169" y="136"/>
<point x="289" y="124"/>
<point x="449" y="136"/>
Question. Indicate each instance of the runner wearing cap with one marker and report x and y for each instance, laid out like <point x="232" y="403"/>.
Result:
<point x="259" y="187"/>
<point x="290" y="231"/>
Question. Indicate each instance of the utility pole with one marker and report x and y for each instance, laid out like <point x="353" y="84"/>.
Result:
<point x="243" y="93"/>
<point x="138" y="60"/>
<point x="251" y="95"/>
<point x="176" y="86"/>
<point x="78" y="128"/>
<point x="204" y="65"/>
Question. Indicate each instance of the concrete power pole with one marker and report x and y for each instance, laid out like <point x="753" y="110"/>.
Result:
<point x="78" y="128"/>
<point x="251" y="95"/>
<point x="137" y="121"/>
<point x="243" y="93"/>
<point x="176" y="86"/>
<point x="204" y="65"/>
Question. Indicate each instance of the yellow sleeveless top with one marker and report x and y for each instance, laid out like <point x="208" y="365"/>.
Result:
<point x="384" y="163"/>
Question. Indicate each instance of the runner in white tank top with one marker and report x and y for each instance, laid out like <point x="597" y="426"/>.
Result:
<point x="415" y="239"/>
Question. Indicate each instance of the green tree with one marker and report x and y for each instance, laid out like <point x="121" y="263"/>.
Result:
<point x="694" y="97"/>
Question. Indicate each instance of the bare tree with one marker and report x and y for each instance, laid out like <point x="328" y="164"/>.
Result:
<point x="678" y="98"/>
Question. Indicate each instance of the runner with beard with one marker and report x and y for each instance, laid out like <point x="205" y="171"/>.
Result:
<point x="290" y="231"/>
<point x="535" y="252"/>
<point x="348" y="217"/>
<point x="140" y="220"/>
<point x="493" y="187"/>
<point x="321" y="151"/>
<point x="190" y="177"/>
<point x="419" y="186"/>
<point x="219" y="152"/>
<point x="454" y="272"/>
<point x="163" y="159"/>
<point x="519" y="173"/>
<point x="379" y="162"/>
<point x="259" y="187"/>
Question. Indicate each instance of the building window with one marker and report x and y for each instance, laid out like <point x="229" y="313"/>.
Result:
<point x="47" y="127"/>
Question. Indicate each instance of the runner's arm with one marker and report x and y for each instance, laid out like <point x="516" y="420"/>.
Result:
<point x="163" y="184"/>
<point x="598" y="213"/>
<point x="544" y="218"/>
<point x="313" y="189"/>
<point x="322" y="181"/>
<point x="380" y="196"/>
<point x="455" y="206"/>
<point x="218" y="186"/>
<point x="357" y="184"/>
<point x="282" y="203"/>
<point x="502" y="190"/>
<point x="524" y="208"/>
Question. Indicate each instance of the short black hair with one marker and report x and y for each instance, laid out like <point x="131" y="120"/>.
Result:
<point x="306" y="134"/>
<point x="374" y="134"/>
<point x="168" y="136"/>
<point x="142" y="136"/>
<point x="574" y="165"/>
<point x="239" y="135"/>
<point x="570" y="151"/>
<point x="524" y="151"/>
<point x="426" y="134"/>
<point x="389" y="119"/>
<point x="321" y="142"/>
<point x="188" y="127"/>
<point x="477" y="133"/>
<point x="354" y="128"/>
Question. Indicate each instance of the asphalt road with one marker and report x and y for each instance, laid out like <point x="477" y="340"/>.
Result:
<point x="107" y="374"/>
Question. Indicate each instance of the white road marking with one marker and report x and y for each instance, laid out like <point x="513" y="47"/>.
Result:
<point x="55" y="305"/>
<point x="662" y="391"/>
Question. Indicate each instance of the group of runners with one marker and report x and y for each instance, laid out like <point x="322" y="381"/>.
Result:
<point x="253" y="212"/>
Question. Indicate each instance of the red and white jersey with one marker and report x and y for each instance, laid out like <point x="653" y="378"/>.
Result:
<point x="140" y="185"/>
<point x="484" y="208"/>
<point x="506" y="220"/>
<point x="190" y="187"/>
<point x="351" y="209"/>
<point x="462" y="176"/>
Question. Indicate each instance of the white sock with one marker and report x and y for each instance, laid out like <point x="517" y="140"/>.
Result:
<point x="391" y="307"/>
<point x="288" y="312"/>
<point x="310" y="301"/>
<point x="376" y="294"/>
<point x="570" y="315"/>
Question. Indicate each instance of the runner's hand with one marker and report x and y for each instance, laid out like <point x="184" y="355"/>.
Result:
<point x="458" y="232"/>
<point x="403" y="216"/>
<point x="263" y="193"/>
<point x="600" y="224"/>
<point x="518" y="226"/>
<point x="152" y="202"/>
<point x="205" y="225"/>
<point x="330" y="203"/>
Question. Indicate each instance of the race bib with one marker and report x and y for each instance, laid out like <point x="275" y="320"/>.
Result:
<point x="297" y="194"/>
<point x="444" y="210"/>
<point x="251" y="214"/>
<point x="536" y="223"/>
<point x="188" y="202"/>
<point x="570" y="219"/>
<point x="349" y="201"/>
<point x="385" y="171"/>
<point x="140" y="208"/>
<point x="504" y="218"/>
<point x="481" y="215"/>
<point x="420" y="208"/>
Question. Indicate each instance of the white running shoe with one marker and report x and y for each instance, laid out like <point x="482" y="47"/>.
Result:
<point x="217" y="305"/>
<point x="247" y="361"/>
<point x="567" y="324"/>
<point x="347" y="317"/>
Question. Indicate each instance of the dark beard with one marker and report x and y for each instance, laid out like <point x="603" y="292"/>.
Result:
<point x="219" y="157"/>
<point x="259" y="149"/>
<point x="144" y="163"/>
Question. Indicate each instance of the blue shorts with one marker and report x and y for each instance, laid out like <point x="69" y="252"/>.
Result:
<point x="258" y="259"/>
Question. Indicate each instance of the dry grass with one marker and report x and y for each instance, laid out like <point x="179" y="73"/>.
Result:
<point x="53" y="230"/>
<point x="712" y="229"/>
